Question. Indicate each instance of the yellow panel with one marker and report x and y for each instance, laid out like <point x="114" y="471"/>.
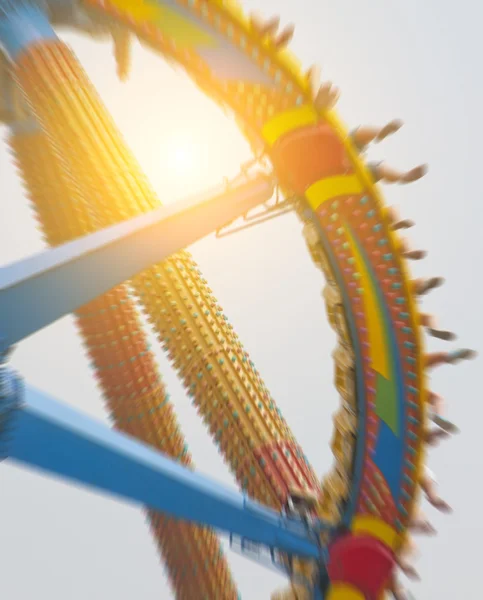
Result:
<point x="171" y="23"/>
<point x="333" y="187"/>
<point x="138" y="11"/>
<point x="378" y="529"/>
<point x="288" y="121"/>
<point x="375" y="327"/>
<point x="342" y="591"/>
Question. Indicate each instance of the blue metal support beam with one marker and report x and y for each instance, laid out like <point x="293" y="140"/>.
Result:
<point x="44" y="434"/>
<point x="38" y="290"/>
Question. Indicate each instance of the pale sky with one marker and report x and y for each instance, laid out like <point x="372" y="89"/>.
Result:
<point x="420" y="61"/>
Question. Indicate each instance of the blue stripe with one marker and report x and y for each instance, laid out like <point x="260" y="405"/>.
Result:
<point x="381" y="449"/>
<point x="389" y="448"/>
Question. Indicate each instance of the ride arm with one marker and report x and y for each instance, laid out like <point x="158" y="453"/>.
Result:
<point x="45" y="434"/>
<point x="38" y="290"/>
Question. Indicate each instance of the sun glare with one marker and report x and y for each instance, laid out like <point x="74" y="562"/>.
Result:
<point x="183" y="158"/>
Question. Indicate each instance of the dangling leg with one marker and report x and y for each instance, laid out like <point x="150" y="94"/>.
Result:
<point x="395" y="221"/>
<point x="327" y="96"/>
<point x="284" y="37"/>
<point x="423" y="286"/>
<point x="389" y="129"/>
<point x="396" y="589"/>
<point x="403" y="224"/>
<point x="429" y="322"/>
<point x="363" y="136"/>
<point x="403" y="558"/>
<point x="408" y="570"/>
<point x="420" y="524"/>
<point x="435" y="359"/>
<point x="269" y="27"/>
<point x="445" y="425"/>
<point x="436" y="404"/>
<point x="409" y="253"/>
<point x="428" y="485"/>
<point x="264" y="26"/>
<point x="415" y="254"/>
<point x="409" y="548"/>
<point x="385" y="174"/>
<point x="432" y="437"/>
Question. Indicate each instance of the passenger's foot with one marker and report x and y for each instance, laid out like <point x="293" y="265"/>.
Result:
<point x="447" y="336"/>
<point x="399" y="594"/>
<point x="430" y="284"/>
<point x="445" y="425"/>
<point x="327" y="96"/>
<point x="284" y="38"/>
<point x="264" y="26"/>
<point x="414" y="174"/>
<point x="403" y="224"/>
<point x="422" y="526"/>
<point x="396" y="589"/>
<point x="440" y="504"/>
<point x="415" y="254"/>
<point x="270" y="26"/>
<point x="434" y="437"/>
<point x="464" y="354"/>
<point x="410" y="572"/>
<point x="389" y="129"/>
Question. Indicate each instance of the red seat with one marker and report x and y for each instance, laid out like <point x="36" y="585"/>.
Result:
<point x="361" y="561"/>
<point x="303" y="157"/>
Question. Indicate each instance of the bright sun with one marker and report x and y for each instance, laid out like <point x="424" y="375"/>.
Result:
<point x="183" y="157"/>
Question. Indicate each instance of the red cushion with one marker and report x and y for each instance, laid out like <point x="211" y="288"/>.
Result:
<point x="303" y="157"/>
<point x="361" y="561"/>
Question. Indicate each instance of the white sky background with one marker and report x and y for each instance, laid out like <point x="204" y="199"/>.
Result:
<point x="420" y="61"/>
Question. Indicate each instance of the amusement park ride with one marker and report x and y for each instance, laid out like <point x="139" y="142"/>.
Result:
<point x="114" y="247"/>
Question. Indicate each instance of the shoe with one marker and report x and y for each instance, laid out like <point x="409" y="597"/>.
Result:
<point x="389" y="129"/>
<point x="447" y="336"/>
<point x="415" y="254"/>
<point x="445" y="425"/>
<point x="403" y="224"/>
<point x="431" y="284"/>
<point x="464" y="354"/>
<point x="415" y="174"/>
